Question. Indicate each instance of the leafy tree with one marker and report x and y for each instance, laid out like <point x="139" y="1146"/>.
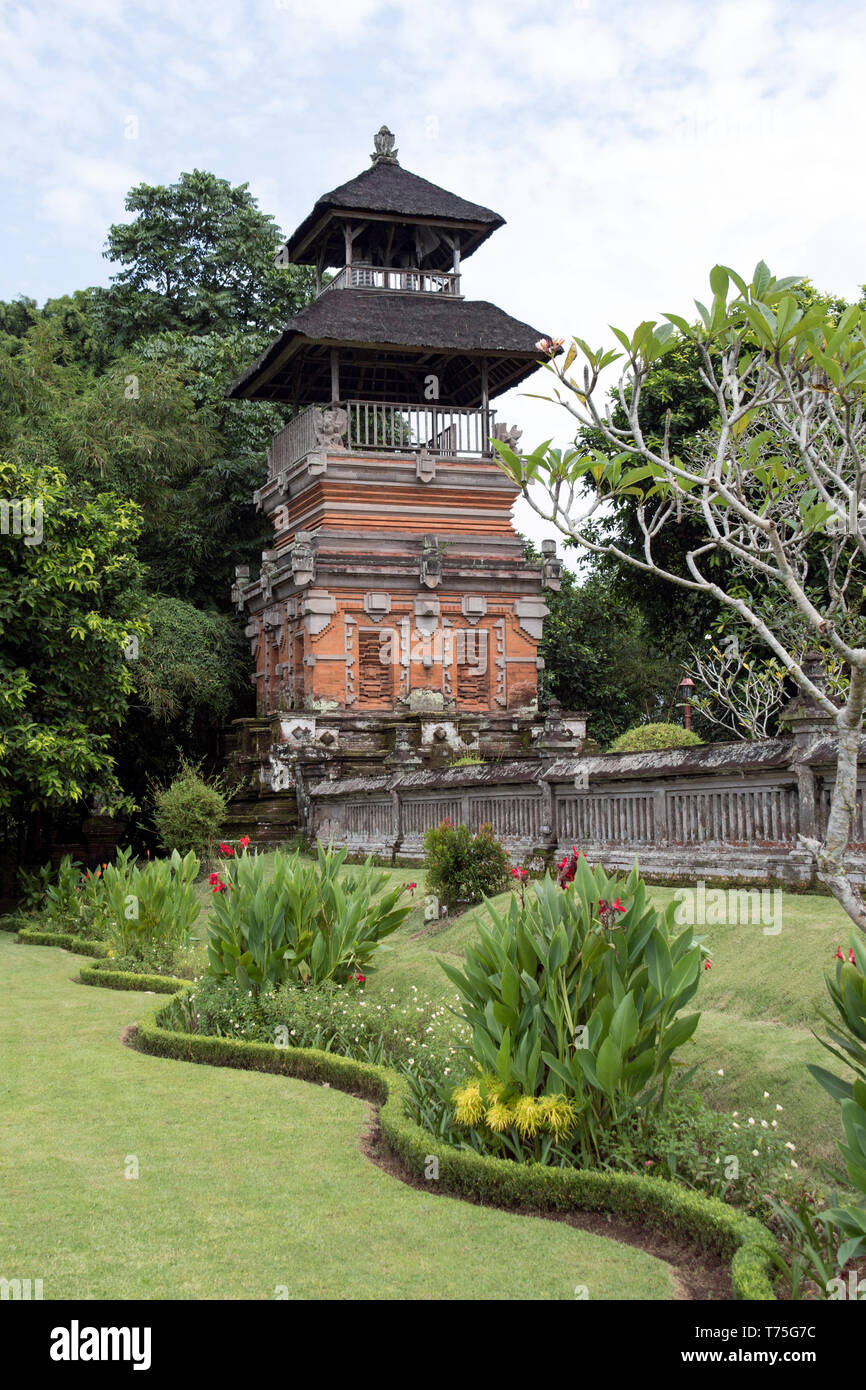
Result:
<point x="599" y="655"/>
<point x="677" y="405"/>
<point x="198" y="257"/>
<point x="779" y="477"/>
<point x="70" y="602"/>
<point x="191" y="665"/>
<point x="138" y="431"/>
<point x="77" y="316"/>
<point x="191" y="674"/>
<point x="17" y="316"/>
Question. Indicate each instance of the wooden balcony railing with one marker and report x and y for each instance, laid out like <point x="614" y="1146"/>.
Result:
<point x="443" y="430"/>
<point x="389" y="427"/>
<point x="360" y="276"/>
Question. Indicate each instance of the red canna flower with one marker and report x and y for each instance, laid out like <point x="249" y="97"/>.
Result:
<point x="226" y="849"/>
<point x="219" y="886"/>
<point x="708" y="965"/>
<point x="410" y="888"/>
<point x="360" y="979"/>
<point x="244" y="841"/>
<point x="214" y="878"/>
<point x="839" y="955"/>
<point x="851" y="955"/>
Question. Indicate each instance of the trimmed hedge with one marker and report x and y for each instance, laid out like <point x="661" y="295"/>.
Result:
<point x="31" y="937"/>
<point x="650" y="1202"/>
<point x="127" y="979"/>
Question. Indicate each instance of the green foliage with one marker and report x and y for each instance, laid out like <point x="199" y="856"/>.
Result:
<point x="677" y="402"/>
<point x="190" y="668"/>
<point x="69" y="602"/>
<point x="77" y="317"/>
<point x="575" y="997"/>
<point x="644" y="738"/>
<point x="62" y="898"/>
<point x="79" y="945"/>
<point x="847" y="1043"/>
<point x="601" y="654"/>
<point x="151" y="908"/>
<point x="17" y="316"/>
<point x="304" y="925"/>
<point x="119" y="397"/>
<point x="708" y="1151"/>
<point x="812" y="1247"/>
<point x="198" y="257"/>
<point x="462" y="867"/>
<point x="189" y="812"/>
<point x="130" y="973"/>
<point x="417" y="1037"/>
<point x="33" y="886"/>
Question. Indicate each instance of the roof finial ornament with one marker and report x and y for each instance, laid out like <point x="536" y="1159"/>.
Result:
<point x="383" y="142"/>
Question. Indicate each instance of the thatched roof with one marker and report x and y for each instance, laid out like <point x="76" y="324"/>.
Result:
<point x="388" y="343"/>
<point x="386" y="190"/>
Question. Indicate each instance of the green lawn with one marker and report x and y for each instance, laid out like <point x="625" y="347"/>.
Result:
<point x="247" y="1182"/>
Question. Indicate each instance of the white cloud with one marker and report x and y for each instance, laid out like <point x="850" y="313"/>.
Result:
<point x="629" y="144"/>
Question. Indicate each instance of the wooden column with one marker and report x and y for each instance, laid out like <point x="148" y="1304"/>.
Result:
<point x="485" y="407"/>
<point x="335" y="375"/>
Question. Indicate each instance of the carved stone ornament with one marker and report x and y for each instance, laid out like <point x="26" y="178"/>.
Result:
<point x="431" y="563"/>
<point x="377" y="605"/>
<point x="319" y="609"/>
<point x="383" y="146"/>
<point x="508" y="434"/>
<point x="242" y="579"/>
<point x="425" y="466"/>
<point x="267" y="574"/>
<point x="552" y="574"/>
<point x="531" y="613"/>
<point x="330" y="424"/>
<point x="302" y="558"/>
<point x="426" y="615"/>
<point x="474" y="607"/>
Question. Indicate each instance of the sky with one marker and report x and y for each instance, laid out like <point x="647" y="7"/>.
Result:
<point x="629" y="146"/>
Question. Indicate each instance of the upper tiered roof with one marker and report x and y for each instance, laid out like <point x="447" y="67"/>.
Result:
<point x="394" y="318"/>
<point x="402" y="215"/>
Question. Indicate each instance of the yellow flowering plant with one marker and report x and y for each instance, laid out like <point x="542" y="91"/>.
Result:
<point x="575" y="1000"/>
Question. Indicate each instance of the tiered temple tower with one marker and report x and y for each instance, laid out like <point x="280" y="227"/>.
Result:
<point x="396" y="618"/>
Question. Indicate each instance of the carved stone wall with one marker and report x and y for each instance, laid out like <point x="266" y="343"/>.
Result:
<point x="724" y="812"/>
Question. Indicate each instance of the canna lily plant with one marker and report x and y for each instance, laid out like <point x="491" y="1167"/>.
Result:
<point x="847" y="1043"/>
<point x="575" y="1000"/>
<point x="305" y="925"/>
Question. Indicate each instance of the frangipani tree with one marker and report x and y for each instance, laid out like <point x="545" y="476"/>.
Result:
<point x="778" y="486"/>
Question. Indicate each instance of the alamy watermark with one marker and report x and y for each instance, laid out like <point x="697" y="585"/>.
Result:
<point x="20" y="1289"/>
<point x="703" y="907"/>
<point x="22" y="517"/>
